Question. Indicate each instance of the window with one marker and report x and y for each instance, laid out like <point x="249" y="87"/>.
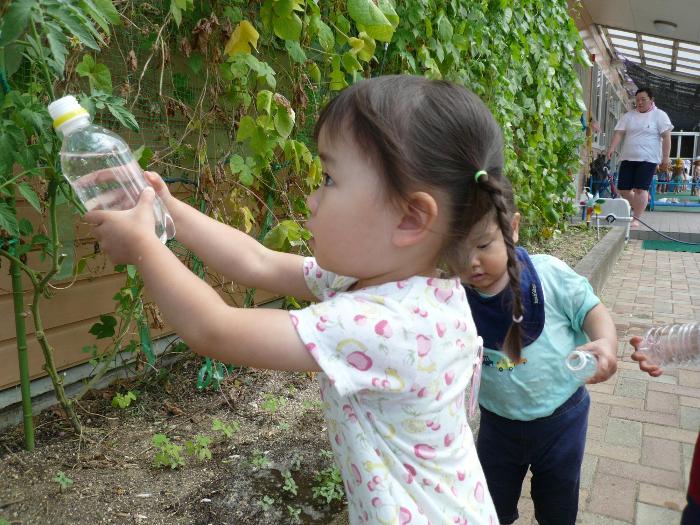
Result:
<point x="687" y="147"/>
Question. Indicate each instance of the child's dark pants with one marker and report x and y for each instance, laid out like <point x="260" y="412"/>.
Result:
<point x="553" y="449"/>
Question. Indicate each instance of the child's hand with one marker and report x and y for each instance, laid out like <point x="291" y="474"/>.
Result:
<point x="159" y="186"/>
<point x="641" y="357"/>
<point x="123" y="234"/>
<point x="606" y="356"/>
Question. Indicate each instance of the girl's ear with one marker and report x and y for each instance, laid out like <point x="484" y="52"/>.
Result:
<point x="419" y="216"/>
<point x="515" y="225"/>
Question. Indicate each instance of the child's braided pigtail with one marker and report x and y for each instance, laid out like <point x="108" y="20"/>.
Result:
<point x="512" y="344"/>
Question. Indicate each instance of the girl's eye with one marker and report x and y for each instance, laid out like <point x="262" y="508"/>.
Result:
<point x="327" y="180"/>
<point x="484" y="246"/>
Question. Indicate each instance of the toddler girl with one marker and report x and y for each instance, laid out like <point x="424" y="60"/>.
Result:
<point x="394" y="339"/>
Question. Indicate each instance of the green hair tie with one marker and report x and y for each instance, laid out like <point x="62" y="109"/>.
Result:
<point x="479" y="174"/>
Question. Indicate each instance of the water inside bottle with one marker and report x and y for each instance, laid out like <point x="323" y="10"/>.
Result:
<point x="111" y="181"/>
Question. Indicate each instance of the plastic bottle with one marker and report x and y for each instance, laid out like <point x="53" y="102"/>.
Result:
<point x="581" y="364"/>
<point x="100" y="166"/>
<point x="672" y="345"/>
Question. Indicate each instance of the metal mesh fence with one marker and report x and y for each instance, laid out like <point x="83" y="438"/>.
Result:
<point x="681" y="100"/>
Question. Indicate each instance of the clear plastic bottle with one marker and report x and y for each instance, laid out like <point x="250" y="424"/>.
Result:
<point x="672" y="345"/>
<point x="100" y="166"/>
<point x="581" y="364"/>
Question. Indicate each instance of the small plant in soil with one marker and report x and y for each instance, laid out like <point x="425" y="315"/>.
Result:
<point x="228" y="430"/>
<point x="259" y="460"/>
<point x="273" y="403"/>
<point x="124" y="400"/>
<point x="266" y="503"/>
<point x="289" y="484"/>
<point x="312" y="405"/>
<point x="293" y="512"/>
<point x="329" y="485"/>
<point x="64" y="482"/>
<point x="168" y="454"/>
<point x="199" y="447"/>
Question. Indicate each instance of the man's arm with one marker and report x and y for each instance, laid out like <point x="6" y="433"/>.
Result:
<point x="666" y="150"/>
<point x="617" y="137"/>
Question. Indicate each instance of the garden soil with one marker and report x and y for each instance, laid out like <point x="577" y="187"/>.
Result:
<point x="277" y="435"/>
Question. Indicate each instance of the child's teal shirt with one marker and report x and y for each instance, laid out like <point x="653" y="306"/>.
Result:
<point x="541" y="383"/>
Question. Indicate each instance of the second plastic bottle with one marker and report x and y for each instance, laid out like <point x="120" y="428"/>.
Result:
<point x="100" y="166"/>
<point x="672" y="345"/>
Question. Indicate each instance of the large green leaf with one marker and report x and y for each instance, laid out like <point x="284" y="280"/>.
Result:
<point x="105" y="328"/>
<point x="108" y="11"/>
<point x="102" y="12"/>
<point x="387" y="8"/>
<point x="11" y="137"/>
<point x="288" y="28"/>
<point x="124" y="116"/>
<point x="296" y="53"/>
<point x="284" y="121"/>
<point x="323" y="32"/>
<point x="371" y="19"/>
<point x="98" y="75"/>
<point x="445" y="30"/>
<point x="8" y="219"/>
<point x="178" y="6"/>
<point x="263" y="102"/>
<point x="31" y="197"/>
<point x="74" y="25"/>
<point x="285" y="235"/>
<point x="246" y="128"/>
<point x="296" y="152"/>
<point x="115" y="105"/>
<point x="145" y="339"/>
<point x="57" y="44"/>
<point x="12" y="55"/>
<point x="15" y="21"/>
<point x="244" y="168"/>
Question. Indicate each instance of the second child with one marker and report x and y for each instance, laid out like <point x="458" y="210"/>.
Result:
<point x="531" y="311"/>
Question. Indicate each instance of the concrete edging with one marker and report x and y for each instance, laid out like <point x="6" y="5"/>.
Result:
<point x="597" y="264"/>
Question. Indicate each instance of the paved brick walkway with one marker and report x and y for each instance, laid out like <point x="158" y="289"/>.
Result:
<point x="672" y="221"/>
<point x="641" y="430"/>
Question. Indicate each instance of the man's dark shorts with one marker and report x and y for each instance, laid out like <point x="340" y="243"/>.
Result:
<point x="635" y="175"/>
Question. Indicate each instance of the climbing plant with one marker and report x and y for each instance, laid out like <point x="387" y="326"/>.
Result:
<point x="519" y="57"/>
<point x="227" y="91"/>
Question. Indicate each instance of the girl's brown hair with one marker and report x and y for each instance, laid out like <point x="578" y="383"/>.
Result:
<point x="433" y="134"/>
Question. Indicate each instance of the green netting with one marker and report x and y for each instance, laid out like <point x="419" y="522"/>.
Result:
<point x="670" y="246"/>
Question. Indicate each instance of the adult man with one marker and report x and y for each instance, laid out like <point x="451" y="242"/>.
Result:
<point x="647" y="133"/>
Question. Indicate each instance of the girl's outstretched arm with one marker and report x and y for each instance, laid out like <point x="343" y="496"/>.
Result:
<point x="600" y="329"/>
<point x="232" y="253"/>
<point x="260" y="337"/>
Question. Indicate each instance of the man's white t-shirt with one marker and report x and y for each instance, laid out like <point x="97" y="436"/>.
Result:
<point x="643" y="134"/>
<point x="397" y="359"/>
